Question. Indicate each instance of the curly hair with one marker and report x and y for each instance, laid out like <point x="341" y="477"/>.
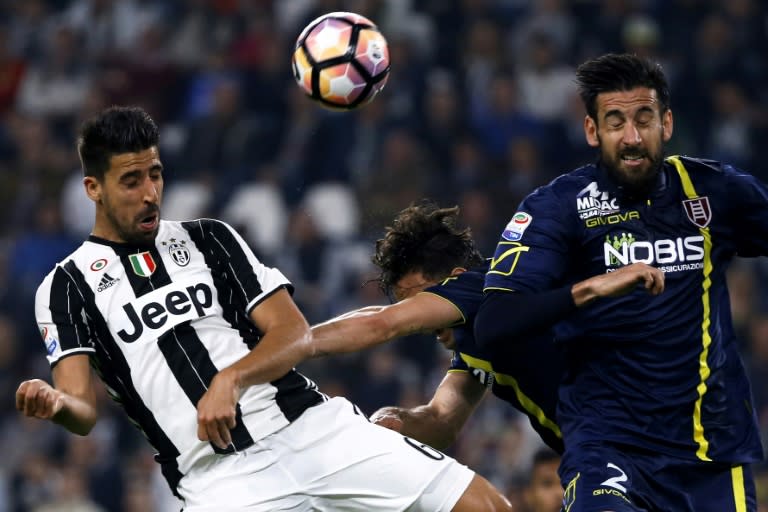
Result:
<point x="424" y="238"/>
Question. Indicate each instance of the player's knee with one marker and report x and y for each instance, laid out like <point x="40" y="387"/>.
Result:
<point x="482" y="495"/>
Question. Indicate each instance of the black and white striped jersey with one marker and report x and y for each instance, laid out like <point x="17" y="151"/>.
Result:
<point x="159" y="322"/>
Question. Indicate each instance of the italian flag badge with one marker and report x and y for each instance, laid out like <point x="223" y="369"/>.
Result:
<point x="142" y="263"/>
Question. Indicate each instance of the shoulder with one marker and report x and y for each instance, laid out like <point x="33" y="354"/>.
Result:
<point x="206" y="230"/>
<point x="567" y="185"/>
<point x="706" y="168"/>
<point x="61" y="273"/>
<point x="204" y="225"/>
<point x="711" y="173"/>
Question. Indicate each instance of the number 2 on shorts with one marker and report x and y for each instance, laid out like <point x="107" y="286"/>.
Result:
<point x="614" y="481"/>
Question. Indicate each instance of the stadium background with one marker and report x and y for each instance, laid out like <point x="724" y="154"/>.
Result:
<point x="479" y="109"/>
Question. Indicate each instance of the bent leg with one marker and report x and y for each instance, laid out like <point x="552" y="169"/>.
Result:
<point x="482" y="495"/>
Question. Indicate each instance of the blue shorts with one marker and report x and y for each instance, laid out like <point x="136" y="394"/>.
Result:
<point x="603" y="477"/>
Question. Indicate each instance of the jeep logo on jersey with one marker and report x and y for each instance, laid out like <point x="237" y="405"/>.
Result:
<point x="177" y="306"/>
<point x="591" y="202"/>
<point x="625" y="249"/>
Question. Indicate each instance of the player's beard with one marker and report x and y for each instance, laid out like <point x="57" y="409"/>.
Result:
<point x="636" y="182"/>
<point x="129" y="231"/>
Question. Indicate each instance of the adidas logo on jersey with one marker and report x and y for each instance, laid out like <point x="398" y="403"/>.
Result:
<point x="106" y="282"/>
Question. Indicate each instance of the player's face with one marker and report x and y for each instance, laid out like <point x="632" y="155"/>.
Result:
<point x="413" y="283"/>
<point x="128" y="198"/>
<point x="544" y="493"/>
<point x="630" y="132"/>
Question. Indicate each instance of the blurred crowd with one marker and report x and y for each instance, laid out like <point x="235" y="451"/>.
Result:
<point x="479" y="109"/>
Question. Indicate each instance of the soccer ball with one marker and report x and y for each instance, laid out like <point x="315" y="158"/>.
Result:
<point x="341" y="60"/>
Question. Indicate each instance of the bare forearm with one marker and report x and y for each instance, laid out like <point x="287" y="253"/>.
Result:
<point x="423" y="424"/>
<point x="276" y="354"/>
<point x="439" y="422"/>
<point x="72" y="406"/>
<point x="349" y="333"/>
<point x="76" y="415"/>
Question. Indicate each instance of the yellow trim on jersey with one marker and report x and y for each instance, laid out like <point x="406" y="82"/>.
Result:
<point x="739" y="495"/>
<point x="498" y="288"/>
<point x="569" y="496"/>
<point x="507" y="380"/>
<point x="445" y="281"/>
<point x="706" y="339"/>
<point x="457" y="322"/>
<point x="516" y="250"/>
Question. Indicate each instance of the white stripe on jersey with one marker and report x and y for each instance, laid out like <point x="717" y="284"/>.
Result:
<point x="136" y="321"/>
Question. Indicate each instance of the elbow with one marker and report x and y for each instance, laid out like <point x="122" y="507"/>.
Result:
<point x="78" y="424"/>
<point x="485" y="328"/>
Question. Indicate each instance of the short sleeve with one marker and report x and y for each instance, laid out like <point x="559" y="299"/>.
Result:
<point x="59" y="311"/>
<point x="532" y="252"/>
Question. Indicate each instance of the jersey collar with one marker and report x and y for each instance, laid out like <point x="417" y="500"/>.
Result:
<point x="607" y="183"/>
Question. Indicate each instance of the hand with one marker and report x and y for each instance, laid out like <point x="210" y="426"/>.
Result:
<point x="620" y="282"/>
<point x="388" y="417"/>
<point x="38" y="399"/>
<point x="216" y="409"/>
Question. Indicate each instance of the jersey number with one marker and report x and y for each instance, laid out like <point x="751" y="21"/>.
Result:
<point x="425" y="449"/>
<point x="614" y="481"/>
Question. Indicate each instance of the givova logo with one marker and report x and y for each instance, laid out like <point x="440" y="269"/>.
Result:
<point x="624" y="249"/>
<point x="164" y="309"/>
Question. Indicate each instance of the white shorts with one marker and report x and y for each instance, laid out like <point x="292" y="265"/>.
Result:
<point x="330" y="459"/>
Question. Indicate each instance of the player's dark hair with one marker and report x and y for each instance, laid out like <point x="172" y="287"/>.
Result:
<point x="620" y="72"/>
<point x="544" y="455"/>
<point x="424" y="238"/>
<point x="541" y="456"/>
<point x="114" y="131"/>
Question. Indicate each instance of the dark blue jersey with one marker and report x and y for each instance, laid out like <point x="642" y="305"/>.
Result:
<point x="513" y="376"/>
<point x="658" y="372"/>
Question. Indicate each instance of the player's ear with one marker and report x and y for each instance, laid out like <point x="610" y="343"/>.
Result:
<point x="590" y="131"/>
<point x="667" y="124"/>
<point x="458" y="270"/>
<point x="92" y="188"/>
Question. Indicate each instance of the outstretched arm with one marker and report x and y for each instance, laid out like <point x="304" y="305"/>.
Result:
<point x="534" y="311"/>
<point x="370" y="326"/>
<point x="70" y="402"/>
<point x="439" y="422"/>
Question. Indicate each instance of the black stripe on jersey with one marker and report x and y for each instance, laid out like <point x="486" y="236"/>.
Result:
<point x="143" y="285"/>
<point x="66" y="306"/>
<point x="189" y="362"/>
<point x="236" y="284"/>
<point x="296" y="394"/>
<point x="113" y="369"/>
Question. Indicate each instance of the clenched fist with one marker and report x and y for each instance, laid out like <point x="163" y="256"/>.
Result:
<point x="38" y="399"/>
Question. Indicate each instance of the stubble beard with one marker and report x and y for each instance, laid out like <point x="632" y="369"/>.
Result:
<point x="634" y="182"/>
<point x="131" y="236"/>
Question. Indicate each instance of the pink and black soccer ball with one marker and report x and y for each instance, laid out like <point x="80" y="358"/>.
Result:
<point x="341" y="60"/>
